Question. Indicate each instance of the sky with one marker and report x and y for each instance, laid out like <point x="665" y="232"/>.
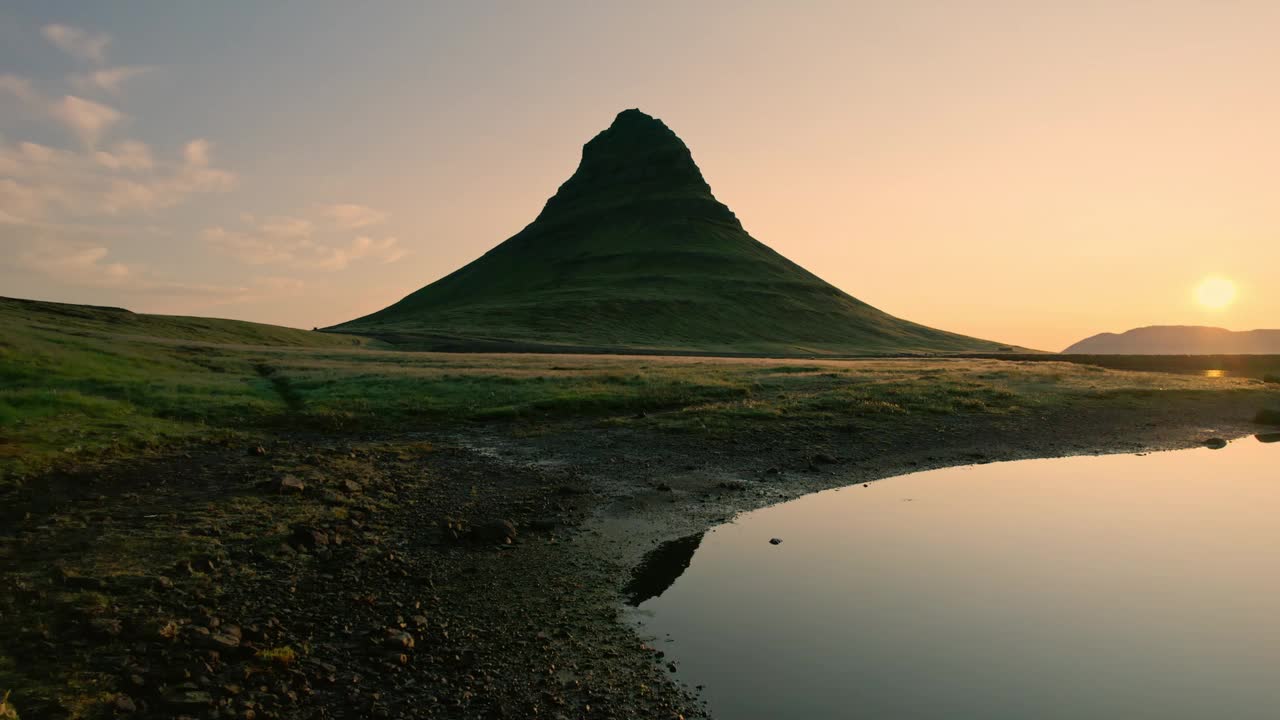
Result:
<point x="1031" y="173"/>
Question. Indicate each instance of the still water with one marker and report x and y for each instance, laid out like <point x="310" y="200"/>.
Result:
<point x="1117" y="586"/>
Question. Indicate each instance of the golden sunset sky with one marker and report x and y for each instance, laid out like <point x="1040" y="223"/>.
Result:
<point x="1027" y="172"/>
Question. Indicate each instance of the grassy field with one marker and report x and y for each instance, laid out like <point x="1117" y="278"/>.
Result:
<point x="82" y="384"/>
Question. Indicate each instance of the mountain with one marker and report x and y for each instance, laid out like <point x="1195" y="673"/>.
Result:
<point x="1180" y="340"/>
<point x="634" y="253"/>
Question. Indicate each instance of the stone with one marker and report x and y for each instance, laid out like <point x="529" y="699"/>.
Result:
<point x="309" y="537"/>
<point x="290" y="484"/>
<point x="399" y="640"/>
<point x="775" y="541"/>
<point x="222" y="641"/>
<point x="125" y="704"/>
<point x="1215" y="443"/>
<point x="496" y="531"/>
<point x="188" y="700"/>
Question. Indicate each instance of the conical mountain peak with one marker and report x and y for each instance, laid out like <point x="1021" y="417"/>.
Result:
<point x="633" y="253"/>
<point x="635" y="161"/>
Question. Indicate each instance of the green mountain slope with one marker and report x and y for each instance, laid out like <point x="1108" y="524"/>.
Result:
<point x="634" y="253"/>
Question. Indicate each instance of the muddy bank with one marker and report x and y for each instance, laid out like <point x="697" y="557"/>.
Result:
<point x="469" y="574"/>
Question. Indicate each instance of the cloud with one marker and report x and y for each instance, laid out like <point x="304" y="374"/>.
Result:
<point x="306" y="243"/>
<point x="196" y="153"/>
<point x="287" y="227"/>
<point x="91" y="265"/>
<point x="349" y="216"/>
<point x="17" y="86"/>
<point x="80" y="44"/>
<point x="249" y="249"/>
<point x="86" y="118"/>
<point x="110" y="80"/>
<point x="126" y="155"/>
<point x="47" y="184"/>
<point x="385" y="250"/>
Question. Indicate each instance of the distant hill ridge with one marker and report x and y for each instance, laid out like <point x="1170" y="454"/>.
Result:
<point x="1180" y="340"/>
<point x="633" y="252"/>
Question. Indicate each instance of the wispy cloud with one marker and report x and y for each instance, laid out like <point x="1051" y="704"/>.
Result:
<point x="349" y="216"/>
<point x="92" y="265"/>
<point x="126" y="155"/>
<point x="386" y="250"/>
<point x="86" y="118"/>
<point x="80" y="44"/>
<point x="45" y="184"/>
<point x="307" y="243"/>
<point x="17" y="86"/>
<point x="110" y="80"/>
<point x="64" y="209"/>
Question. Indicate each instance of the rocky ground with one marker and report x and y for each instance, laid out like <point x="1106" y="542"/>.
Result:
<point x="469" y="573"/>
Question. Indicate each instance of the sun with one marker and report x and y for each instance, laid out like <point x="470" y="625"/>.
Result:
<point x="1215" y="293"/>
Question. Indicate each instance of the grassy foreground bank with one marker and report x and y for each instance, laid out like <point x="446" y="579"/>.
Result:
<point x="358" y="548"/>
<point x="84" y="384"/>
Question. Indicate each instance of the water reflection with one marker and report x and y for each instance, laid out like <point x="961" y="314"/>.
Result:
<point x="660" y="568"/>
<point x="1088" y="587"/>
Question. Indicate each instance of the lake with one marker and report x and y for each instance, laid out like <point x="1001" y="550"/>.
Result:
<point x="1119" y="586"/>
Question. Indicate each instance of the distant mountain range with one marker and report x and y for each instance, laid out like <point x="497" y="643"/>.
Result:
<point x="634" y="254"/>
<point x="1180" y="340"/>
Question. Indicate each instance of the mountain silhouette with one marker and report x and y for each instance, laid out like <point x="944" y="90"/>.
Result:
<point x="1180" y="340"/>
<point x="634" y="253"/>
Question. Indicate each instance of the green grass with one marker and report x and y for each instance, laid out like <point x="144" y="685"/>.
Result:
<point x="635" y="253"/>
<point x="97" y="386"/>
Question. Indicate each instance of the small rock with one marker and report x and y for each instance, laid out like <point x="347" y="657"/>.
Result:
<point x="352" y="487"/>
<point x="125" y="704"/>
<point x="663" y="487"/>
<point x="775" y="541"/>
<point x="1215" y="443"/>
<point x="222" y="641"/>
<point x="399" y="640"/>
<point x="188" y="699"/>
<point x="494" y="531"/>
<point x="309" y="537"/>
<point x="825" y="459"/>
<point x="290" y="484"/>
<point x="1267" y="437"/>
